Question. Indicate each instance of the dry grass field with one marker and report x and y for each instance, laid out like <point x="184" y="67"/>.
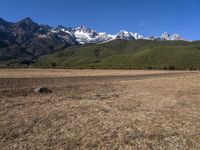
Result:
<point x="99" y="109"/>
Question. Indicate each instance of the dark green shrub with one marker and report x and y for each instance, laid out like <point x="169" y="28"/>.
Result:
<point x="53" y="64"/>
<point x="171" y="67"/>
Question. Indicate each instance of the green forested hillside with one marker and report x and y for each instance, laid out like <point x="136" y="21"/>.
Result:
<point x="136" y="54"/>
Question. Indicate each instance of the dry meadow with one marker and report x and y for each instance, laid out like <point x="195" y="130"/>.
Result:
<point x="99" y="109"/>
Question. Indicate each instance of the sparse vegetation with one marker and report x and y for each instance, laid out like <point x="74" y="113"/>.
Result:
<point x="99" y="109"/>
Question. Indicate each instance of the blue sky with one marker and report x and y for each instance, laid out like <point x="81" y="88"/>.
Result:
<point x="148" y="17"/>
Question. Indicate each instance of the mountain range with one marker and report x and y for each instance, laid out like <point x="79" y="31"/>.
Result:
<point x="25" y="42"/>
<point x="85" y="35"/>
<point x="27" y="39"/>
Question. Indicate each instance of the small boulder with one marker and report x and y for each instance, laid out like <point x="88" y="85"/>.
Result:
<point x="42" y="90"/>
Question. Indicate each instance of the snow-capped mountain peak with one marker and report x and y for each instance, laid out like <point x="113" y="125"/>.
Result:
<point x="176" y="37"/>
<point x="165" y="36"/>
<point x="138" y="36"/>
<point x="123" y="34"/>
<point x="173" y="37"/>
<point x="86" y="35"/>
<point x="83" y="28"/>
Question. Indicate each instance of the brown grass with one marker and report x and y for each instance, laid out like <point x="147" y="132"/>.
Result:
<point x="30" y="73"/>
<point x="99" y="109"/>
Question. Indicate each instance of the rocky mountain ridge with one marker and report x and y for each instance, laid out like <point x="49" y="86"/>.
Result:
<point x="27" y="39"/>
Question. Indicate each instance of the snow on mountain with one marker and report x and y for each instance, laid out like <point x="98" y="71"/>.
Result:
<point x="123" y="34"/>
<point x="176" y="37"/>
<point x="138" y="36"/>
<point x="65" y="33"/>
<point x="165" y="36"/>
<point x="85" y="35"/>
<point x="168" y="37"/>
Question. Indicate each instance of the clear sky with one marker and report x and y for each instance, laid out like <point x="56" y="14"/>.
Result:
<point x="148" y="17"/>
